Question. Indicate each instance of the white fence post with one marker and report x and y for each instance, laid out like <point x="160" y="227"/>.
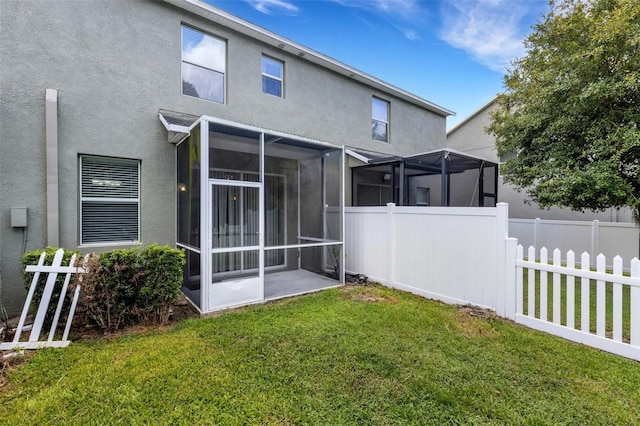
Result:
<point x="635" y="304"/>
<point x="584" y="294"/>
<point x="519" y="281"/>
<point x="571" y="290"/>
<point x="391" y="247"/>
<point x="601" y="298"/>
<point x="536" y="234"/>
<point x="531" y="283"/>
<point x="617" y="300"/>
<point x="544" y="298"/>
<point x="556" y="287"/>
<point x="595" y="239"/>
<point x="500" y="290"/>
<point x="513" y="279"/>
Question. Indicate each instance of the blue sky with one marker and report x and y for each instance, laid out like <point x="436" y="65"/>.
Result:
<point x="451" y="52"/>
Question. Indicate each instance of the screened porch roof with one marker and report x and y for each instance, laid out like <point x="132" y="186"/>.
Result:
<point x="179" y="126"/>
<point x="425" y="163"/>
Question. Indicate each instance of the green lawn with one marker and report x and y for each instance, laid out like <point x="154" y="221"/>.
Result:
<point x="355" y="355"/>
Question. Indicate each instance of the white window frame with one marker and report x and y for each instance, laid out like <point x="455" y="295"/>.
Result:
<point x="377" y="120"/>
<point x="273" y="77"/>
<point x="182" y="60"/>
<point x="108" y="200"/>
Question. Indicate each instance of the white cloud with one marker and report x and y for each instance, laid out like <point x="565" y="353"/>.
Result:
<point x="489" y="30"/>
<point x="274" y="7"/>
<point x="409" y="33"/>
<point x="397" y="11"/>
<point x="207" y="52"/>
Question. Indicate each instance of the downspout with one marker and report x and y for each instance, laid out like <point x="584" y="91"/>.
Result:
<point x="402" y="187"/>
<point x="481" y="185"/>
<point x="444" y="180"/>
<point x="51" y="141"/>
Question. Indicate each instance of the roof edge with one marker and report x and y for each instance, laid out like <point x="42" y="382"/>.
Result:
<point x="472" y="115"/>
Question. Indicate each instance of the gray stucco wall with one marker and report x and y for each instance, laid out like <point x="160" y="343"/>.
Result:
<point x="471" y="138"/>
<point x="115" y="64"/>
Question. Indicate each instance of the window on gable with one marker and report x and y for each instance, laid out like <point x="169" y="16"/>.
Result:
<point x="272" y="76"/>
<point x="109" y="200"/>
<point x="204" y="62"/>
<point x="380" y="120"/>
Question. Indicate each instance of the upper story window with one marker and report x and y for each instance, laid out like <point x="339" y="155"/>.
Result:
<point x="272" y="76"/>
<point x="380" y="120"/>
<point x="109" y="200"/>
<point x="204" y="62"/>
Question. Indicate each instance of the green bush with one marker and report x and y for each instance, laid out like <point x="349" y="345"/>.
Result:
<point x="132" y="286"/>
<point x="31" y="258"/>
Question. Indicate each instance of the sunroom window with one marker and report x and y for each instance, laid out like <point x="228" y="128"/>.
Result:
<point x="272" y="76"/>
<point x="109" y="200"/>
<point x="204" y="64"/>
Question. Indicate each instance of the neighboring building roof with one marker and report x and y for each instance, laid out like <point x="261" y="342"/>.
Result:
<point x="232" y="22"/>
<point x="472" y="115"/>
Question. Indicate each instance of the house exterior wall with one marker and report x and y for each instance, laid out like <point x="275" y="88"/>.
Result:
<point x="114" y="65"/>
<point x="469" y="136"/>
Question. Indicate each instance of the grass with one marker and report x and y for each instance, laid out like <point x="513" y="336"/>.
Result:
<point x="354" y="355"/>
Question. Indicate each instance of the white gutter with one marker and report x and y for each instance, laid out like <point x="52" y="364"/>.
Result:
<point x="51" y="141"/>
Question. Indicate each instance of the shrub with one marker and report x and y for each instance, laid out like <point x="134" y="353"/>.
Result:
<point x="132" y="286"/>
<point x="160" y="287"/>
<point x="31" y="258"/>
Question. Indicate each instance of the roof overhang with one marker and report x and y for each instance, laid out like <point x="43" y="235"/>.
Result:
<point x="177" y="124"/>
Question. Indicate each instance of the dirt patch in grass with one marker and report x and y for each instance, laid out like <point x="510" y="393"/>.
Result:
<point x="368" y="294"/>
<point x="472" y="321"/>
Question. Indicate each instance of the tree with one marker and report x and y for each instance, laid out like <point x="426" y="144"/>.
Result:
<point x="571" y="108"/>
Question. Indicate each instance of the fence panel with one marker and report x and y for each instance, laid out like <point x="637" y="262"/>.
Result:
<point x="593" y="237"/>
<point x="608" y="302"/>
<point x="39" y="321"/>
<point x="445" y="253"/>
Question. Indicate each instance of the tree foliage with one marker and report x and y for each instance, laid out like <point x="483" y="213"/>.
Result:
<point x="571" y="108"/>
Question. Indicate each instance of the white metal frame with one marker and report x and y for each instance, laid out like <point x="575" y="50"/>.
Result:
<point x="273" y="77"/>
<point x="206" y="186"/>
<point x="286" y="204"/>
<point x="226" y="61"/>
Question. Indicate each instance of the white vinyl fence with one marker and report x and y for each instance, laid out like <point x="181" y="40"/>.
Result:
<point x="576" y="303"/>
<point x="464" y="256"/>
<point x="34" y="341"/>
<point x="446" y="253"/>
<point x="595" y="237"/>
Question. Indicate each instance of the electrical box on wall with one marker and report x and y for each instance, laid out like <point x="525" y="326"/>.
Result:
<point x="18" y="217"/>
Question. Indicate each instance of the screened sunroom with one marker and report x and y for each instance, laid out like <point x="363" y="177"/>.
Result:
<point x="260" y="213"/>
<point x="443" y="177"/>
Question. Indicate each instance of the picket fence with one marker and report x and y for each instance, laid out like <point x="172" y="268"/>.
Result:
<point x="615" y="318"/>
<point x="34" y="341"/>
